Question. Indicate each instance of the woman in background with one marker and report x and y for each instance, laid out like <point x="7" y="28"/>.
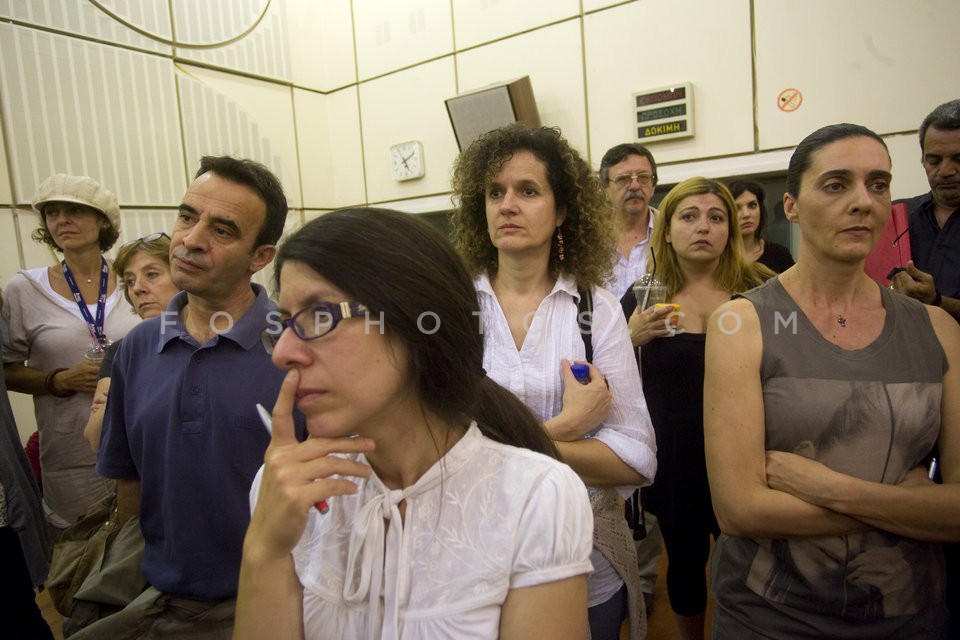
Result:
<point x="431" y="522"/>
<point x="537" y="237"/>
<point x="56" y="314"/>
<point x="824" y="394"/>
<point x="752" y="211"/>
<point x="144" y="269"/>
<point x="699" y="256"/>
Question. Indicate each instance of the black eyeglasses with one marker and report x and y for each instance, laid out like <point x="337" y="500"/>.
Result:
<point x="147" y="239"/>
<point x="312" y="322"/>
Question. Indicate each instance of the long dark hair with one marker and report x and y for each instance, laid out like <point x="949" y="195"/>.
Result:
<point x="402" y="268"/>
<point x="738" y="187"/>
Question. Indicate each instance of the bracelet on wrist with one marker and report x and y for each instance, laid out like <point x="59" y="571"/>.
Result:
<point x="52" y="389"/>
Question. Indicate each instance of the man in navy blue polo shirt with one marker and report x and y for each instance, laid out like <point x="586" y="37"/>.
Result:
<point x="934" y="277"/>
<point x="181" y="433"/>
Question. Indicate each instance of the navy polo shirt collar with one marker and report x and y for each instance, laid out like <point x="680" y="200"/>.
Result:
<point x="245" y="331"/>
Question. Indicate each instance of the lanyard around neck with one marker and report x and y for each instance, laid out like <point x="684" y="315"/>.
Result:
<point x="94" y="325"/>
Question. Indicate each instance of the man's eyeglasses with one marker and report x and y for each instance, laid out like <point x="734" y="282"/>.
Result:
<point x="626" y="179"/>
<point x="312" y="322"/>
<point x="147" y="239"/>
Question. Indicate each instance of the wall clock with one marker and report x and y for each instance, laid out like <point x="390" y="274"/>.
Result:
<point x="406" y="160"/>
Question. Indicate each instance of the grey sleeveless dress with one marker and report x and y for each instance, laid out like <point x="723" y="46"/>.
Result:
<point x="873" y="413"/>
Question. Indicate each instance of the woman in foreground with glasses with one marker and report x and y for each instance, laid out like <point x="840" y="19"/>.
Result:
<point x="436" y="528"/>
<point x="824" y="394"/>
<point x="144" y="269"/>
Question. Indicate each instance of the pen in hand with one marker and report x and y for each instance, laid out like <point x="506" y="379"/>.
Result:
<point x="267" y="421"/>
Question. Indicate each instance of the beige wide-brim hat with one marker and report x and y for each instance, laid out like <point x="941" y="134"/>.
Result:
<point x="81" y="190"/>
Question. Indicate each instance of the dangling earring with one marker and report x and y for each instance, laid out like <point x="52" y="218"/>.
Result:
<point x="559" y="244"/>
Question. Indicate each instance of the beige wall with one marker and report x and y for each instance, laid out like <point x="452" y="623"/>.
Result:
<point x="318" y="90"/>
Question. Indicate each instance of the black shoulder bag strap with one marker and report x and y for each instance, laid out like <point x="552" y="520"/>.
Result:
<point x="633" y="507"/>
<point x="585" y="320"/>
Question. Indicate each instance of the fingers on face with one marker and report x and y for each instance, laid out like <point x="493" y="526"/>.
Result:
<point x="282" y="430"/>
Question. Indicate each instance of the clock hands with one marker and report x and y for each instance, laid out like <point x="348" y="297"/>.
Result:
<point x="406" y="160"/>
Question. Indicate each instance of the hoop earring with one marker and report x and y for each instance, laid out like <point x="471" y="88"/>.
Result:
<point x="559" y="244"/>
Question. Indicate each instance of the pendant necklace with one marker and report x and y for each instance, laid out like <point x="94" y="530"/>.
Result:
<point x="841" y="320"/>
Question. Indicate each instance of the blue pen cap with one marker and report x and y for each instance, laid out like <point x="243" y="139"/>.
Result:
<point x="581" y="372"/>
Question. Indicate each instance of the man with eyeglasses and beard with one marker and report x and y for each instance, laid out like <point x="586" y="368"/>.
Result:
<point x="629" y="175"/>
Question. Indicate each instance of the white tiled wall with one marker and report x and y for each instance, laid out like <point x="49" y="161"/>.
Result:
<point x="392" y="35"/>
<point x="646" y="45"/>
<point x="321" y="44"/>
<point x="408" y="106"/>
<point x="479" y="21"/>
<point x="881" y="64"/>
<point x="331" y="154"/>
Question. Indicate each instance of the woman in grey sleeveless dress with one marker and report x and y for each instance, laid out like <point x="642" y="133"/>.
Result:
<point x="824" y="396"/>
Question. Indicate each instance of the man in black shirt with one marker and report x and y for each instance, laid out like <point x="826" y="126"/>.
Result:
<point x="933" y="277"/>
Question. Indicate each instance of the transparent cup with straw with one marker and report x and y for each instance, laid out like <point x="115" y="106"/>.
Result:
<point x="649" y="291"/>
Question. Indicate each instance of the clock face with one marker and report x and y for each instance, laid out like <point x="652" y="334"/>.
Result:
<point x="406" y="160"/>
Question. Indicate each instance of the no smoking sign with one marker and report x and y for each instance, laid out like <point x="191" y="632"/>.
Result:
<point x="789" y="100"/>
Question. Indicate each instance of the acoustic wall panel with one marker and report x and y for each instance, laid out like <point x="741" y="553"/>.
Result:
<point x="265" y="277"/>
<point x="391" y="35"/>
<point x="35" y="254"/>
<point x="9" y="257"/>
<point x="487" y="20"/>
<point x="595" y="5"/>
<point x="144" y="24"/>
<point x="228" y="114"/>
<point x="6" y="190"/>
<point x="240" y="35"/>
<point x="320" y="41"/>
<point x="79" y="107"/>
<point x="137" y="223"/>
<point x="330" y="152"/>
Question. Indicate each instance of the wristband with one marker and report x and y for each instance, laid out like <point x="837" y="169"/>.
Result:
<point x="938" y="300"/>
<point x="52" y="390"/>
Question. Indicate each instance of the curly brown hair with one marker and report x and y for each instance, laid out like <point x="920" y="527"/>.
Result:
<point x="588" y="232"/>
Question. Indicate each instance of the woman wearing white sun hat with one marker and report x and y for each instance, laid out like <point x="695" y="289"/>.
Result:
<point x="54" y="316"/>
